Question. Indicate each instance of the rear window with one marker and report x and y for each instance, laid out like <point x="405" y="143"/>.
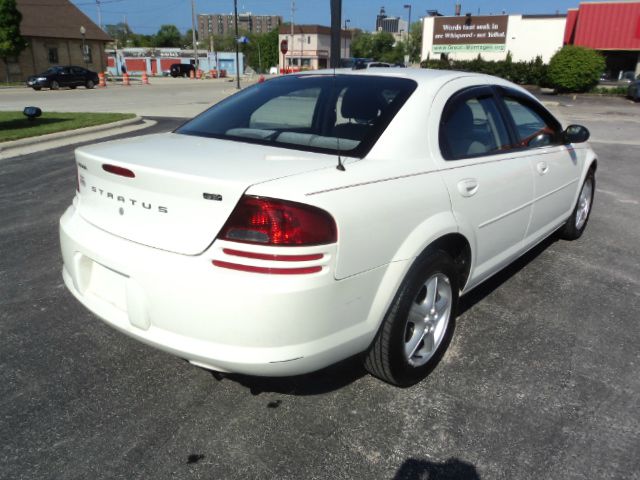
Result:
<point x="322" y="113"/>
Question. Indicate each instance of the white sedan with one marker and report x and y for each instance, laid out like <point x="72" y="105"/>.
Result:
<point x="318" y="216"/>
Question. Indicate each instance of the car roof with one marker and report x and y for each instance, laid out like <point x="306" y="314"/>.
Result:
<point x="424" y="77"/>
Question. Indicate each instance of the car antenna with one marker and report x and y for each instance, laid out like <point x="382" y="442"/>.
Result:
<point x="340" y="165"/>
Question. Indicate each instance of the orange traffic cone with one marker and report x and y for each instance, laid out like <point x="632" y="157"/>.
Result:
<point x="192" y="75"/>
<point x="145" y="79"/>
<point x="125" y="80"/>
<point x="101" y="82"/>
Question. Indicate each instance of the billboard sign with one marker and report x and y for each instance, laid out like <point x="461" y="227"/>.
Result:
<point x="470" y="34"/>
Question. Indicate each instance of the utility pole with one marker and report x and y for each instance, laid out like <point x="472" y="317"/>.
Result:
<point x="193" y="33"/>
<point x="235" y="16"/>
<point x="99" y="14"/>
<point x="292" y="43"/>
<point x="336" y="15"/>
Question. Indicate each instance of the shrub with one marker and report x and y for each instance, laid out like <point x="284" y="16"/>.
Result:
<point x="533" y="72"/>
<point x="575" y="69"/>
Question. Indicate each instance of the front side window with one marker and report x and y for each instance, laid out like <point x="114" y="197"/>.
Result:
<point x="323" y="113"/>
<point x="471" y="127"/>
<point x="532" y="129"/>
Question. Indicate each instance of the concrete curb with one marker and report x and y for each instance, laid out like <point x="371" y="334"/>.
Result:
<point x="67" y="133"/>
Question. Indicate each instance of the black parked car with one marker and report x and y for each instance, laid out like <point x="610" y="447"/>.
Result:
<point x="70" y="76"/>
<point x="633" y="92"/>
<point x="181" y="70"/>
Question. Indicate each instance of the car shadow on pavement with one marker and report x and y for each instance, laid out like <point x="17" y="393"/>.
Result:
<point x="326" y="380"/>
<point x="452" y="469"/>
<point x="489" y="286"/>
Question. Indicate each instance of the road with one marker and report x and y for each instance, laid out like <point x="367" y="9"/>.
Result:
<point x="165" y="96"/>
<point x="540" y="382"/>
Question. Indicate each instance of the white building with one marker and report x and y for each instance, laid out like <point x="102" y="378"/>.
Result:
<point x="492" y="36"/>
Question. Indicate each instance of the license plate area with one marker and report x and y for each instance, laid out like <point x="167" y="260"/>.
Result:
<point x="106" y="284"/>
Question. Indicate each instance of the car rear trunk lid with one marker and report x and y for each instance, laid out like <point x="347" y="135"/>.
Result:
<point x="184" y="187"/>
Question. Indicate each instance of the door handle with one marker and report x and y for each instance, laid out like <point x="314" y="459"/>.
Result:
<point x="468" y="187"/>
<point x="542" y="168"/>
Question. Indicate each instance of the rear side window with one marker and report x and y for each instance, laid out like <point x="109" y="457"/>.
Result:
<point x="532" y="128"/>
<point x="472" y="126"/>
<point x="320" y="113"/>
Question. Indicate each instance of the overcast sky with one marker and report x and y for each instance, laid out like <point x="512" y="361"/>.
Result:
<point x="146" y="16"/>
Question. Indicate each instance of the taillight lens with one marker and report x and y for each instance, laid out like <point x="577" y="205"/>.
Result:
<point x="116" y="170"/>
<point x="267" y="221"/>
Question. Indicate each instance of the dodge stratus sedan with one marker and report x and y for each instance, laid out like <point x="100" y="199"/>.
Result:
<point x="318" y="216"/>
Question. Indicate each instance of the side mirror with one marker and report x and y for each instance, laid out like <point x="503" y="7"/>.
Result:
<point x="575" y="134"/>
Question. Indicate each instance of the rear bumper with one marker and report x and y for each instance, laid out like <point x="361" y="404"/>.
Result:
<point x="221" y="319"/>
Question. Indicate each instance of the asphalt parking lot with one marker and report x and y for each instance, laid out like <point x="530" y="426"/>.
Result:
<point x="164" y="96"/>
<point x="540" y="382"/>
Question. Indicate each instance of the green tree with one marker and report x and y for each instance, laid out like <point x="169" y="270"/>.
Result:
<point x="575" y="69"/>
<point x="11" y="42"/>
<point x="224" y="43"/>
<point x="396" y="54"/>
<point x="414" y="46"/>
<point x="168" y="36"/>
<point x="262" y="50"/>
<point x="381" y="45"/>
<point x="361" y="44"/>
<point x="139" y="40"/>
<point x="187" y="40"/>
<point x="120" y="32"/>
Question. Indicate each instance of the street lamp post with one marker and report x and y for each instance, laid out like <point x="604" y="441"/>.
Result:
<point x="83" y="31"/>
<point x="346" y="21"/>
<point x="408" y="6"/>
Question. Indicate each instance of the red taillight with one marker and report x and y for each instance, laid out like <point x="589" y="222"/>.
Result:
<point x="267" y="221"/>
<point x="116" y="170"/>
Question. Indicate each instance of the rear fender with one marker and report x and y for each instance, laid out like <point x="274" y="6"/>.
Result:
<point x="424" y="235"/>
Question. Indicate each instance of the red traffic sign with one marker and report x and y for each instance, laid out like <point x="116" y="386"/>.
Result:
<point x="284" y="46"/>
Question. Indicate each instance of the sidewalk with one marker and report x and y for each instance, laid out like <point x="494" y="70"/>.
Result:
<point x="54" y="140"/>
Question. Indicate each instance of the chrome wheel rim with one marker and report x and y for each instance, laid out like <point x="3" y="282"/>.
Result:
<point x="427" y="320"/>
<point x="584" y="203"/>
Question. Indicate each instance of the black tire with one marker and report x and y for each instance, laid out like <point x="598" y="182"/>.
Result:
<point x="54" y="85"/>
<point x="72" y="87"/>
<point x="387" y="357"/>
<point x="90" y="84"/>
<point x="37" y="89"/>
<point x="575" y="225"/>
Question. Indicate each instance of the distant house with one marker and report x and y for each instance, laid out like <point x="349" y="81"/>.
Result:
<point x="53" y="31"/>
<point x="309" y="47"/>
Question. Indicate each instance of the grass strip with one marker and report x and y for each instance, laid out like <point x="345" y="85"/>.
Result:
<point x="14" y="125"/>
